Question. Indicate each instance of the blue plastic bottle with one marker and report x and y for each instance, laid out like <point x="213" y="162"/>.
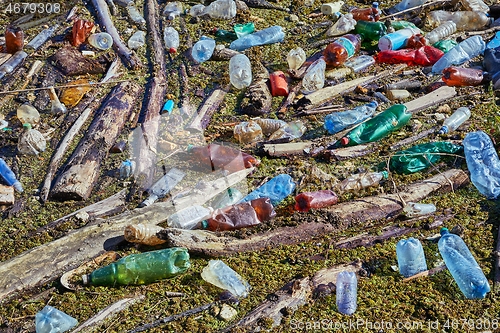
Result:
<point x="203" y="49"/>
<point x="9" y="176"/>
<point x="462" y="265"/>
<point x="276" y="189"/>
<point x="483" y="164"/>
<point x="337" y="121"/>
<point x="269" y="35"/>
<point x="494" y="42"/>
<point x="468" y="49"/>
<point x="491" y="63"/>
<point x="52" y="320"/>
<point x="411" y="257"/>
<point x="347" y="292"/>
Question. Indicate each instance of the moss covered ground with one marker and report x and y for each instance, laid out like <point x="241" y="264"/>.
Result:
<point x="385" y="303"/>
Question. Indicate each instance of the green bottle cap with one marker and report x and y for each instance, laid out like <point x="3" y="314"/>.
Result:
<point x="27" y="126"/>
<point x="444" y="231"/>
<point x="385" y="174"/>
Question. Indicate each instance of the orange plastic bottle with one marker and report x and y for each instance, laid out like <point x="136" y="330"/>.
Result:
<point x="216" y="157"/>
<point x="460" y="77"/>
<point x="341" y="49"/>
<point x="319" y="199"/>
<point x="14" y="39"/>
<point x="367" y="14"/>
<point x="80" y="31"/>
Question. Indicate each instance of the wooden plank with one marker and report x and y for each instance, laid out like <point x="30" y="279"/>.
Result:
<point x="207" y="109"/>
<point x="433" y="98"/>
<point x="286" y="149"/>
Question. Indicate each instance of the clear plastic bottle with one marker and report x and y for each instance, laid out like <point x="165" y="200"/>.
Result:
<point x="269" y="35"/>
<point x="203" y="49"/>
<point x="313" y="200"/>
<point x="360" y="181"/>
<point x="343" y="25"/>
<point x="101" y="41"/>
<point x="314" y="77"/>
<point x="127" y="169"/>
<point x="359" y="63"/>
<point x="465" y="20"/>
<point x="468" y="49"/>
<point x="341" y="49"/>
<point x="455" y="120"/>
<point x="331" y="7"/>
<point x="172" y="10"/>
<point x="221" y="9"/>
<point x="483" y="164"/>
<point x="51" y="320"/>
<point x="56" y="107"/>
<point x="405" y="4"/>
<point x="143" y="234"/>
<point x="27" y="113"/>
<point x="291" y="131"/>
<point x="296" y="58"/>
<point x="141" y="268"/>
<point x="135" y="15"/>
<point x="412" y="209"/>
<point x="31" y="141"/>
<point x="9" y="177"/>
<point x="221" y="275"/>
<point x="42" y="37"/>
<point x="462" y="266"/>
<point x="227" y="198"/>
<point x="347" y="292"/>
<point x="189" y="217"/>
<point x="396" y="40"/>
<point x="248" y="131"/>
<point x="240" y="71"/>
<point x="444" y="30"/>
<point x="137" y="40"/>
<point x="475" y="5"/>
<point x="171" y="38"/>
<point x="11" y="64"/>
<point x="197" y="10"/>
<point x="411" y="257"/>
<point x="276" y="189"/>
<point x="269" y="126"/>
<point x="163" y="186"/>
<point x="337" y="121"/>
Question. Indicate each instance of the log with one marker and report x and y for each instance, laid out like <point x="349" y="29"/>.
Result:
<point x="290" y="297"/>
<point x="82" y="171"/>
<point x="71" y="62"/>
<point x="206" y="110"/>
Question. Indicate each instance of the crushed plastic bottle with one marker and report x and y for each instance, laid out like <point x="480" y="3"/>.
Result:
<point x="491" y="62"/>
<point x="171" y="38"/>
<point x="172" y="10"/>
<point x="143" y="234"/>
<point x="241" y="215"/>
<point x="344" y="24"/>
<point x="423" y="56"/>
<point x="404" y="5"/>
<point x="52" y="320"/>
<point x="468" y="49"/>
<point x="331" y="8"/>
<point x="444" y="30"/>
<point x="135" y="15"/>
<point x="221" y="9"/>
<point x="244" y="29"/>
<point x="453" y="122"/>
<point x="229" y="197"/>
<point x="218" y="157"/>
<point x="396" y="40"/>
<point x="462" y="266"/>
<point x="221" y="275"/>
<point x="42" y="37"/>
<point x="240" y="71"/>
<point x="314" y="77"/>
<point x="56" y="107"/>
<point x="475" y="5"/>
<point x="360" y="181"/>
<point x="163" y="186"/>
<point x="291" y="131"/>
<point x="359" y="63"/>
<point x="314" y="200"/>
<point x="31" y="142"/>
<point x="137" y="40"/>
<point x="127" y="169"/>
<point x="277" y="189"/>
<point x="369" y="30"/>
<point x="189" y="217"/>
<point x="247" y="132"/>
<point x="366" y="14"/>
<point x="101" y="41"/>
<point x="422" y="156"/>
<point x="141" y="268"/>
<point x="203" y="49"/>
<point x="412" y="209"/>
<point x="483" y="164"/>
<point x="9" y="177"/>
<point x="465" y="20"/>
<point x="14" y="39"/>
<point x="269" y="35"/>
<point x="445" y="45"/>
<point x="12" y="63"/>
<point x="296" y="58"/>
<point x="341" y="49"/>
<point x="411" y="257"/>
<point x="27" y="113"/>
<point x="337" y="121"/>
<point x="269" y="126"/>
<point x="197" y="10"/>
<point x="80" y="31"/>
<point x="347" y="292"/>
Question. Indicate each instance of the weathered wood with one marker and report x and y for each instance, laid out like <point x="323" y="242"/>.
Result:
<point x="431" y="99"/>
<point x="341" y="154"/>
<point x="289" y="99"/>
<point x="496" y="261"/>
<point x="6" y="195"/>
<point x="414" y="138"/>
<point x="71" y="62"/>
<point x="207" y="109"/>
<point x="4" y="57"/>
<point x="287" y="149"/>
<point x="258" y="99"/>
<point x="290" y="297"/>
<point x="82" y="171"/>
<point x="429" y="272"/>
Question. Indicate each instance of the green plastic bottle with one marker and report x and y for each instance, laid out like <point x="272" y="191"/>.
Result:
<point x="370" y="30"/>
<point x="421" y="156"/>
<point x="225" y="35"/>
<point x="398" y="25"/>
<point x="141" y="268"/>
<point x="244" y="29"/>
<point x="378" y="127"/>
<point x="445" y="45"/>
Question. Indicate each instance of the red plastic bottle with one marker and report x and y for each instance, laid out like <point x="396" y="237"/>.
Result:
<point x="319" y="199"/>
<point x="341" y="49"/>
<point x="424" y="56"/>
<point x="460" y="77"/>
<point x="80" y="31"/>
<point x="279" y="85"/>
<point x="14" y="39"/>
<point x="416" y="41"/>
<point x="216" y="157"/>
<point x="367" y="14"/>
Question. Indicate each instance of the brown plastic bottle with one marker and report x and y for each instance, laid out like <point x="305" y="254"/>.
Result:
<point x="319" y="199"/>
<point x="460" y="77"/>
<point x="242" y="215"/>
<point x="366" y="14"/>
<point x="14" y="39"/>
<point x="216" y="157"/>
<point x="341" y="49"/>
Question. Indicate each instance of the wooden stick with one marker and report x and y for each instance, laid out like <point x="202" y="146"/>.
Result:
<point x="62" y="86"/>
<point x="482" y="32"/>
<point x="496" y="261"/>
<point x="414" y="138"/>
<point x="426" y="273"/>
<point x="207" y="109"/>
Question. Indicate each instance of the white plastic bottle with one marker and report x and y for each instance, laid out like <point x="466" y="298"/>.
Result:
<point x="240" y="71"/>
<point x="455" y="120"/>
<point x="221" y="9"/>
<point x="171" y="38"/>
<point x="189" y="217"/>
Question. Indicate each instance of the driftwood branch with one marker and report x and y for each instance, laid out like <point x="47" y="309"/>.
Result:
<point x="426" y="273"/>
<point x="207" y="109"/>
<point x="414" y="138"/>
<point x="496" y="261"/>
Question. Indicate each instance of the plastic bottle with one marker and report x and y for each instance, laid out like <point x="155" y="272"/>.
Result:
<point x="444" y="30"/>
<point x="276" y="189"/>
<point x="475" y="5"/>
<point x="127" y="169"/>
<point x="361" y="181"/>
<point x="163" y="186"/>
<point x="225" y="35"/>
<point x="269" y="126"/>
<point x="337" y="121"/>
<point x="359" y="63"/>
<point x="314" y="77"/>
<point x="42" y="37"/>
<point x="197" y="10"/>
<point x="293" y="130"/>
<point x="31" y="142"/>
<point x="341" y="49"/>
<point x="219" y="157"/>
<point x="422" y="156"/>
<point x="412" y="209"/>
<point x="13" y="62"/>
<point x="468" y="49"/>
<point x="56" y="107"/>
<point x="80" y="30"/>
<point x="462" y="266"/>
<point x="14" y="39"/>
<point x="465" y="20"/>
<point x="411" y="257"/>
<point x="269" y="35"/>
<point x="203" y="49"/>
<point x="346" y="292"/>
<point x="227" y="198"/>
<point x="143" y="234"/>
<point x="27" y="113"/>
<point x="240" y="71"/>
<point x="423" y="56"/>
<point x="369" y="30"/>
<point x="52" y="320"/>
<point x="396" y="40"/>
<point x="172" y="10"/>
<point x="137" y="40"/>
<point x="445" y="45"/>
<point x="343" y="25"/>
<point x="221" y="275"/>
<point x="241" y="215"/>
<point x="9" y="177"/>
<point x="296" y="58"/>
<point x="313" y="200"/>
<point x="248" y="131"/>
<point x="483" y="164"/>
<point x="171" y="38"/>
<point x="221" y="9"/>
<point x="168" y="106"/>
<point x="331" y="8"/>
<point x="135" y="15"/>
<point x="404" y="5"/>
<point x="494" y="42"/>
<point x="141" y="268"/>
<point x="451" y="123"/>
<point x="278" y="83"/>
<point x="189" y="217"/>
<point x="491" y="62"/>
<point x="102" y="41"/>
<point x="366" y="14"/>
<point x="244" y="29"/>
<point x="378" y="127"/>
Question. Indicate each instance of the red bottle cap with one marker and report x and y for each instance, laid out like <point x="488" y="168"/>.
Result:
<point x="172" y="50"/>
<point x="344" y="141"/>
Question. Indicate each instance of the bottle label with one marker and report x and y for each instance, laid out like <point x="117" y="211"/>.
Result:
<point x="348" y="45"/>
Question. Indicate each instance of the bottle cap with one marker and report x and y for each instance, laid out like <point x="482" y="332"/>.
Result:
<point x="85" y="279"/>
<point x="444" y="231"/>
<point x="443" y="130"/>
<point x="204" y="224"/>
<point x="172" y="50"/>
<point x="344" y="141"/>
<point x="385" y="174"/>
<point x="27" y="126"/>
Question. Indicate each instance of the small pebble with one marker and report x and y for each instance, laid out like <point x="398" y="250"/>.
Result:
<point x="227" y="313"/>
<point x="293" y="18"/>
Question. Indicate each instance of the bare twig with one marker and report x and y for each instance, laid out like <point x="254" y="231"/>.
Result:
<point x="61" y="86"/>
<point x="426" y="273"/>
<point x="419" y="8"/>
